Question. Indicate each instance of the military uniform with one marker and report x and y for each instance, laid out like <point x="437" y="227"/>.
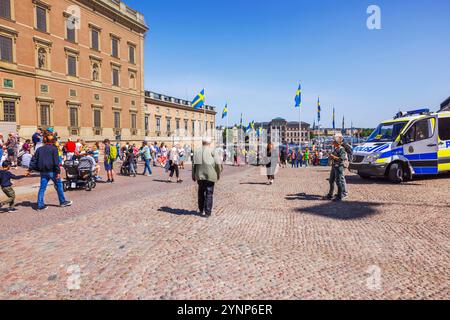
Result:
<point x="337" y="173"/>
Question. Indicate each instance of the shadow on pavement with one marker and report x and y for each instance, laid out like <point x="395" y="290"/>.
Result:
<point x="359" y="180"/>
<point x="179" y="212"/>
<point x="32" y="205"/>
<point x="345" y="210"/>
<point x="255" y="183"/>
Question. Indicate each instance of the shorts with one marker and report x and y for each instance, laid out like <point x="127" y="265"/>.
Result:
<point x="109" y="165"/>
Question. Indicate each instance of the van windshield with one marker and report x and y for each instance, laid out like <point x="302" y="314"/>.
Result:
<point x="387" y="132"/>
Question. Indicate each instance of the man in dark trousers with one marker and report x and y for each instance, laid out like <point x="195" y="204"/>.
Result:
<point x="206" y="171"/>
<point x="46" y="162"/>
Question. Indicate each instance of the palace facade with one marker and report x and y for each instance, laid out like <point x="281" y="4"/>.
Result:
<point x="75" y="65"/>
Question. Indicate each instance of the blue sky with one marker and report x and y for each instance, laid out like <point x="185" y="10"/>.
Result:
<point x="253" y="53"/>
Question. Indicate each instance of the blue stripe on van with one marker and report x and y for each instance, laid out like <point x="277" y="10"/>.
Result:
<point x="424" y="170"/>
<point x="423" y="156"/>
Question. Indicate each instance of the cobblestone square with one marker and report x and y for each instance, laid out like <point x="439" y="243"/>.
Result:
<point x="141" y="239"/>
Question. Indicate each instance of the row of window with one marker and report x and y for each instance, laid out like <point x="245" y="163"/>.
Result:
<point x="178" y="125"/>
<point x="42" y="14"/>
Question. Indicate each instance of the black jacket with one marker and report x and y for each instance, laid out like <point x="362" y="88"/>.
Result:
<point x="46" y="159"/>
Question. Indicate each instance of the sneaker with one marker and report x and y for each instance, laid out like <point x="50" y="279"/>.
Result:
<point x="108" y="181"/>
<point x="42" y="208"/>
<point x="12" y="209"/>
<point x="66" y="204"/>
<point x="328" y="197"/>
<point x="337" y="199"/>
<point x="345" y="195"/>
<point x="179" y="181"/>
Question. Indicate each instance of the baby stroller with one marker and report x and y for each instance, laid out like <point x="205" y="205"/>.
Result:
<point x="79" y="175"/>
<point x="125" y="169"/>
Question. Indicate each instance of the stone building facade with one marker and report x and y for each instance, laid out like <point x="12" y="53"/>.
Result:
<point x="168" y="119"/>
<point x="75" y="65"/>
<point x="289" y="131"/>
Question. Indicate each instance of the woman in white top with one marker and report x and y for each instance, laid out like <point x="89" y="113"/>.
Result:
<point x="174" y="161"/>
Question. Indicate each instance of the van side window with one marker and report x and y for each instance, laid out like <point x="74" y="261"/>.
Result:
<point x="444" y="128"/>
<point x="421" y="130"/>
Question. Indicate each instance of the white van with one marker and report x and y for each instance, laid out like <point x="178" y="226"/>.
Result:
<point x="412" y="143"/>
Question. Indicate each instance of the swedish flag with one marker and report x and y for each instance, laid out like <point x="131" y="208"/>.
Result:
<point x="225" y="111"/>
<point x="259" y="132"/>
<point x="334" y="120"/>
<point x="319" y="109"/>
<point x="250" y="127"/>
<point x="199" y="100"/>
<point x="298" y="97"/>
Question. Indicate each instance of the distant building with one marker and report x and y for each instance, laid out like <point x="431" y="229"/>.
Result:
<point x="445" y="106"/>
<point x="328" y="132"/>
<point x="166" y="118"/>
<point x="289" y="131"/>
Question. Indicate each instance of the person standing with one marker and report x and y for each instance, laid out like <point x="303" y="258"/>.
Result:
<point x="37" y="139"/>
<point x="110" y="156"/>
<point x="146" y="155"/>
<point x="306" y="157"/>
<point x="174" y="161"/>
<point x="11" y="145"/>
<point x="338" y="157"/>
<point x="46" y="162"/>
<point x="206" y="172"/>
<point x="70" y="149"/>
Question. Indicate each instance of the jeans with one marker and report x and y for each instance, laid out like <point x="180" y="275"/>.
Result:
<point x="147" y="167"/>
<point x="205" y="196"/>
<point x="337" y="176"/>
<point x="45" y="178"/>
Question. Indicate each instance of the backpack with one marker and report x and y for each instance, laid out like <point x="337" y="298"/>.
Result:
<point x="112" y="153"/>
<point x="348" y="149"/>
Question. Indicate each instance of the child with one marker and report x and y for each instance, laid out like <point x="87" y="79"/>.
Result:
<point x="6" y="184"/>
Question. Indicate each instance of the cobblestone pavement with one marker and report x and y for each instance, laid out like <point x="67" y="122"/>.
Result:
<point x="262" y="242"/>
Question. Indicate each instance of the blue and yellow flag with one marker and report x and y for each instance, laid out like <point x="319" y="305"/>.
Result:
<point x="334" y="120"/>
<point x="298" y="97"/>
<point x="225" y="111"/>
<point x="259" y="132"/>
<point x="319" y="109"/>
<point x="250" y="127"/>
<point x="199" y="100"/>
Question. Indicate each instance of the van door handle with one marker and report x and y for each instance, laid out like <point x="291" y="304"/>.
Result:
<point x="432" y="145"/>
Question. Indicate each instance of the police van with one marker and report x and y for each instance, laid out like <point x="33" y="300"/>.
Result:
<point x="411" y="144"/>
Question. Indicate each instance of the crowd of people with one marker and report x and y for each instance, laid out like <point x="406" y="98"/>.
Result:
<point x="46" y="154"/>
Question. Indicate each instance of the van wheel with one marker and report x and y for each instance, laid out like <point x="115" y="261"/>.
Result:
<point x="396" y="174"/>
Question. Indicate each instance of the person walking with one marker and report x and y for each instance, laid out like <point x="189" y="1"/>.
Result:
<point x="130" y="158"/>
<point x="338" y="158"/>
<point x="174" y="161"/>
<point x="293" y="158"/>
<point x="46" y="162"/>
<point x="7" y="186"/>
<point x="272" y="163"/>
<point x="146" y="155"/>
<point x="109" y="157"/>
<point x="206" y="171"/>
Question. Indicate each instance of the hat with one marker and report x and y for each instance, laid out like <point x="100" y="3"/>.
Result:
<point x="206" y="140"/>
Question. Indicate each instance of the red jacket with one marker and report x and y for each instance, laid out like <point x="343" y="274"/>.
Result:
<point x="70" y="146"/>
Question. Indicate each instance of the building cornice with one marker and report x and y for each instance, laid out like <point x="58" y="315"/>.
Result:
<point x="119" y="12"/>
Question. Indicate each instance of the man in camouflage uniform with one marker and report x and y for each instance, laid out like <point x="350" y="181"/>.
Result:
<point x="338" y="157"/>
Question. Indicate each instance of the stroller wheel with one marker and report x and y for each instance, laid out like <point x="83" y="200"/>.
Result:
<point x="65" y="186"/>
<point x="89" y="186"/>
<point x="94" y="184"/>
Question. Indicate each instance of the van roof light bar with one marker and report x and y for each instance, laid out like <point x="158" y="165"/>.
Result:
<point x="410" y="113"/>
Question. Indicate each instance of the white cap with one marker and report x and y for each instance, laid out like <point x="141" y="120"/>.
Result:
<point x="206" y="140"/>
